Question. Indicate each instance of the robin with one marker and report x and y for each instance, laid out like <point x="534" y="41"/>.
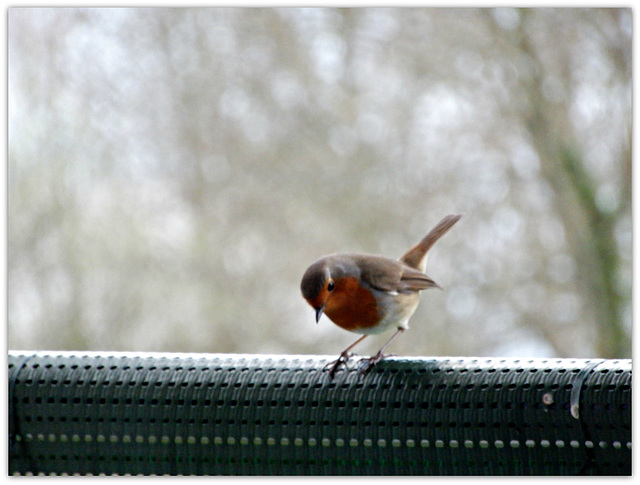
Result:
<point x="369" y="294"/>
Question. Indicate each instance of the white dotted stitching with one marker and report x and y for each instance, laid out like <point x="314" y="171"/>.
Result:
<point x="325" y="442"/>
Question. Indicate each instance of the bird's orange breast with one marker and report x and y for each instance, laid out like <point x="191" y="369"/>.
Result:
<point x="351" y="306"/>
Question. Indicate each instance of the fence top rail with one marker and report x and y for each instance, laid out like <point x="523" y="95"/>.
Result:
<point x="81" y="412"/>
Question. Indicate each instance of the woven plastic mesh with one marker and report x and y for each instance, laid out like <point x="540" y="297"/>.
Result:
<point x="202" y="414"/>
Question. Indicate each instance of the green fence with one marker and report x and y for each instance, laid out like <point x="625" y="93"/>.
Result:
<point x="209" y="414"/>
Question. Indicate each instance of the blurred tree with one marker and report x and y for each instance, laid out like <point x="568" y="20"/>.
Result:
<point x="589" y="210"/>
<point x="172" y="172"/>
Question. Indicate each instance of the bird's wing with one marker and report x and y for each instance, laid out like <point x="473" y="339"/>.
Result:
<point x="389" y="275"/>
<point x="414" y="280"/>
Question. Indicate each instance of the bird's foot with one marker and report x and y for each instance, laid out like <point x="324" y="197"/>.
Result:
<point x="368" y="363"/>
<point x="339" y="362"/>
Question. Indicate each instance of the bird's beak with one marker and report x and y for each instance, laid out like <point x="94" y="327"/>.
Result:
<point x="319" y="311"/>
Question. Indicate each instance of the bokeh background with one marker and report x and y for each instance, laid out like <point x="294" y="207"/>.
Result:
<point x="172" y="173"/>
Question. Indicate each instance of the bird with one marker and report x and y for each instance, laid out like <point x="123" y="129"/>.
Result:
<point x="369" y="294"/>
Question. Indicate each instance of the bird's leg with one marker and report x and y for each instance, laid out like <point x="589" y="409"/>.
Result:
<point x="368" y="362"/>
<point x="345" y="355"/>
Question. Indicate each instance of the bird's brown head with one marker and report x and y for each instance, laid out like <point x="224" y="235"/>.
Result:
<point x="317" y="285"/>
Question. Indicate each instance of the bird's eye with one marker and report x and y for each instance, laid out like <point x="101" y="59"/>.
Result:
<point x="330" y="286"/>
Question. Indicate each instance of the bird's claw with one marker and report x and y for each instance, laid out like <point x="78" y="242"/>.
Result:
<point x="365" y="363"/>
<point x="339" y="362"/>
<point x="368" y="363"/>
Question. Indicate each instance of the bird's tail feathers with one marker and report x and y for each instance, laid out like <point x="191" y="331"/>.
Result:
<point x="416" y="257"/>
